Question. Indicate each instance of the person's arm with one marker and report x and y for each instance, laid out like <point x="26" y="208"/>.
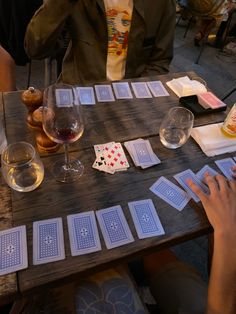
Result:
<point x="220" y="207"/>
<point x="7" y="72"/>
<point x="162" y="52"/>
<point x="45" y="27"/>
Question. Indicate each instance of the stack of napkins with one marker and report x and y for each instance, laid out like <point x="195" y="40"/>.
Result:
<point x="212" y="141"/>
<point x="183" y="86"/>
<point x="110" y="157"/>
<point x="141" y="153"/>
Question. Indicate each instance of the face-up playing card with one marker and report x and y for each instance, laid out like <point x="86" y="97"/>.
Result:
<point x="157" y="88"/>
<point x="99" y="148"/>
<point x="48" y="241"/>
<point x="83" y="233"/>
<point x="64" y="97"/>
<point x="141" y="90"/>
<point x="206" y="169"/>
<point x="114" y="227"/>
<point x="13" y="250"/>
<point x="122" y="90"/>
<point x="101" y="165"/>
<point x="115" y="157"/>
<point x="170" y="193"/>
<point x="182" y="178"/>
<point x="146" y="220"/>
<point x="225" y="166"/>
<point x="86" y="95"/>
<point x="104" y="93"/>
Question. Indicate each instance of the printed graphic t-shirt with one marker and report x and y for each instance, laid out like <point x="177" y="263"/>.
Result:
<point x="119" y="15"/>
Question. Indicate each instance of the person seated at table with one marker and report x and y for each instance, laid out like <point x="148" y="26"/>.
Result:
<point x="177" y="287"/>
<point x="110" y="39"/>
<point x="181" y="285"/>
<point x="7" y="71"/>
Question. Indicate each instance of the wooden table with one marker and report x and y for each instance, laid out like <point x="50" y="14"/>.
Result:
<point x="117" y="121"/>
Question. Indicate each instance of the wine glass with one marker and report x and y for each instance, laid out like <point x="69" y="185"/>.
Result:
<point x="176" y="127"/>
<point x="63" y="124"/>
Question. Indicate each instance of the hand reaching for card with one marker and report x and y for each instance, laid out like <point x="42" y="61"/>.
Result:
<point x="220" y="203"/>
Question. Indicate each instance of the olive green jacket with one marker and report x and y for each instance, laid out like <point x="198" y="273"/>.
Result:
<point x="150" y="42"/>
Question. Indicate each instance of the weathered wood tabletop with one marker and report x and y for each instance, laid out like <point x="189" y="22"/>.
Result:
<point x="118" y="121"/>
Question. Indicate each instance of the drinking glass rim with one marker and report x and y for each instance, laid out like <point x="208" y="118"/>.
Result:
<point x="17" y="143"/>
<point x="182" y="108"/>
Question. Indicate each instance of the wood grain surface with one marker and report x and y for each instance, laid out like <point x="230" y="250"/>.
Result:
<point x="117" y="121"/>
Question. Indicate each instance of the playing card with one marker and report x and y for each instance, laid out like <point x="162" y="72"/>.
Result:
<point x="13" y="250"/>
<point x="104" y="93"/>
<point x="64" y="97"/>
<point x="141" y="90"/>
<point x="48" y="241"/>
<point x="83" y="233"/>
<point x="206" y="169"/>
<point x="122" y="90"/>
<point x="101" y="165"/>
<point x="146" y="220"/>
<point x="142" y="153"/>
<point x="182" y="177"/>
<point x="99" y="148"/>
<point x="86" y="95"/>
<point x="157" y="88"/>
<point x="170" y="193"/>
<point x="114" y="227"/>
<point x="115" y="157"/>
<point x="225" y="166"/>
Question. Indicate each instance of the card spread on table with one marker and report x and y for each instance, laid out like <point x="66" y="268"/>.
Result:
<point x="122" y="90"/>
<point x="13" y="250"/>
<point x="182" y="177"/>
<point x="64" y="97"/>
<point x="225" y="165"/>
<point x="157" y="89"/>
<point x="206" y="169"/>
<point x="141" y="153"/>
<point x="48" y="241"/>
<point x="104" y="93"/>
<point x="83" y="233"/>
<point x="110" y="157"/>
<point x="145" y="218"/>
<point x="141" y="90"/>
<point x="86" y="95"/>
<point x="170" y="193"/>
<point x="114" y="227"/>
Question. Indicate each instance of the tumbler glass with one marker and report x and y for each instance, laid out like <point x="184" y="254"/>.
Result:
<point x="22" y="168"/>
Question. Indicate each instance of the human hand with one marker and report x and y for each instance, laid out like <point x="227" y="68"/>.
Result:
<point x="219" y="204"/>
<point x="234" y="171"/>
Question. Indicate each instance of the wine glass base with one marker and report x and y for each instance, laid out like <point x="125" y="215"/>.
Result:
<point x="67" y="173"/>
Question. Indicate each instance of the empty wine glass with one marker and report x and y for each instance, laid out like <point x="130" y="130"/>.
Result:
<point x="176" y="127"/>
<point x="63" y="123"/>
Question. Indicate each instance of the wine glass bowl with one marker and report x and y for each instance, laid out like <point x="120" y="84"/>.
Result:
<point x="63" y="124"/>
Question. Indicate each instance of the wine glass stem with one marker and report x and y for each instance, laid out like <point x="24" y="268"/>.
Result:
<point x="66" y="156"/>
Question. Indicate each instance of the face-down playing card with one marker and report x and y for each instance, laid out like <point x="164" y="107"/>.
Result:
<point x="86" y="95"/>
<point x="13" y="250"/>
<point x="145" y="218"/>
<point x="225" y="165"/>
<point x="141" y="90"/>
<point x="83" y="233"/>
<point x="170" y="193"/>
<point x="114" y="227"/>
<point x="157" y="88"/>
<point x="122" y="90"/>
<point x="182" y="178"/>
<point x="104" y="93"/>
<point x="48" y="241"/>
<point x="206" y="169"/>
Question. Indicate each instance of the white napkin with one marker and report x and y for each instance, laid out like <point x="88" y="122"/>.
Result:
<point x="183" y="86"/>
<point x="212" y="141"/>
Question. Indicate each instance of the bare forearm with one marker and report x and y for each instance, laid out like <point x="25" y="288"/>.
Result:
<point x="222" y="286"/>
